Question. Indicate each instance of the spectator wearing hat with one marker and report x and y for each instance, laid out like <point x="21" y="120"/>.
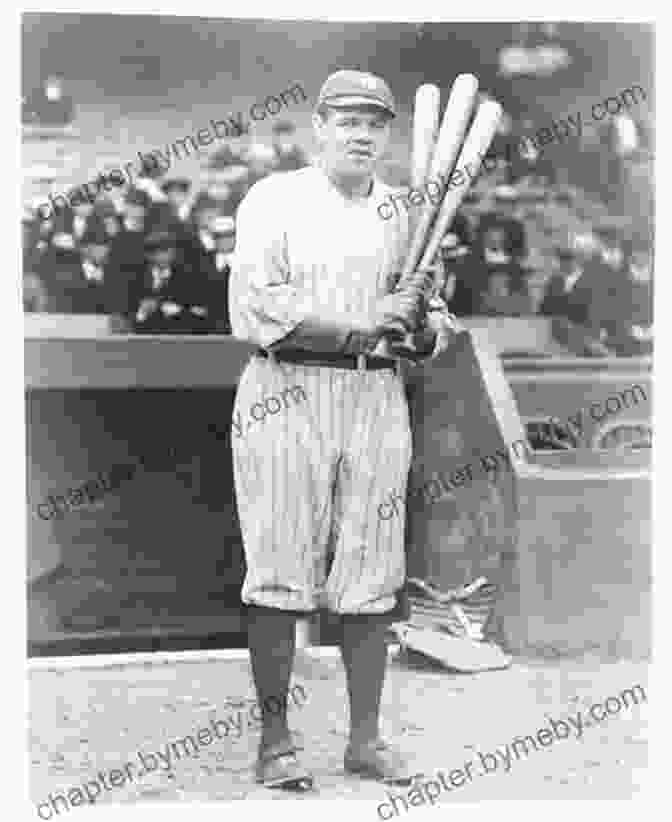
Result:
<point x="232" y="175"/>
<point x="177" y="191"/>
<point x="76" y="219"/>
<point x="35" y="297"/>
<point x="106" y="213"/>
<point x="165" y="298"/>
<point x="526" y="161"/>
<point x="34" y="236"/>
<point x="458" y="291"/>
<point x="165" y="217"/>
<point x="288" y="155"/>
<point x="494" y="274"/>
<point x="216" y="265"/>
<point x="562" y="297"/>
<point x="609" y="232"/>
<point x="600" y="274"/>
<point x="626" y="305"/>
<point x="127" y="251"/>
<point x="94" y="248"/>
<point x="134" y="210"/>
<point x="206" y="209"/>
<point x="60" y="271"/>
<point x="75" y="277"/>
<point x="149" y="177"/>
<point x="507" y="217"/>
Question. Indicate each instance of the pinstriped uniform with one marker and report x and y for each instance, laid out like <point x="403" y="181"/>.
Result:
<point x="310" y="476"/>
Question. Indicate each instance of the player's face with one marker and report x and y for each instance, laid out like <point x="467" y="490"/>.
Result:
<point x="353" y="139"/>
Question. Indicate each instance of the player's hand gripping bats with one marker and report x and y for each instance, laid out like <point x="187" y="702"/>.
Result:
<point x="436" y="161"/>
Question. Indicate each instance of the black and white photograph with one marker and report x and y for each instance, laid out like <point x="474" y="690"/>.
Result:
<point x="338" y="406"/>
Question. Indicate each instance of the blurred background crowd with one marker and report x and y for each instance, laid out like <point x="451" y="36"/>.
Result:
<point x="159" y="254"/>
<point x="565" y="233"/>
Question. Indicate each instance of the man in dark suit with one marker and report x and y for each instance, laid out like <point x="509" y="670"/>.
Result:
<point x="562" y="296"/>
<point x="105" y="212"/>
<point x="177" y="207"/>
<point x="602" y="272"/>
<point x="59" y="268"/>
<point x="494" y="272"/>
<point x="127" y="251"/>
<point x="163" y="217"/>
<point x="231" y="174"/>
<point x="76" y="219"/>
<point x="94" y="248"/>
<point x="627" y="304"/>
<point x="216" y="266"/>
<point x="505" y="217"/>
<point x="168" y="296"/>
<point x="457" y="290"/>
<point x="177" y="191"/>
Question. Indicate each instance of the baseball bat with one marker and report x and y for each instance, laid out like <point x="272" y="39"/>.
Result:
<point x="425" y="128"/>
<point x="471" y="156"/>
<point x="451" y="134"/>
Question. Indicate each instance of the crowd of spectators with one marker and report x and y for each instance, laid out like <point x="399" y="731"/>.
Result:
<point x="160" y="256"/>
<point x="599" y="280"/>
<point x="528" y="242"/>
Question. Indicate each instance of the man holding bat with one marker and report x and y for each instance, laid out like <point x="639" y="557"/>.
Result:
<point x="309" y="483"/>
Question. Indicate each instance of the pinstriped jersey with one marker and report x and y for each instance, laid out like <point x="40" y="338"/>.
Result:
<point x="302" y="247"/>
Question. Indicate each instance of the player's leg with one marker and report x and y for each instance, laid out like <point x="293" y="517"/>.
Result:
<point x="364" y="653"/>
<point x="369" y="562"/>
<point x="282" y="492"/>
<point x="270" y="634"/>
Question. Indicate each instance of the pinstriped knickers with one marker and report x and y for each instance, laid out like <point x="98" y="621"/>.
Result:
<point x="309" y="479"/>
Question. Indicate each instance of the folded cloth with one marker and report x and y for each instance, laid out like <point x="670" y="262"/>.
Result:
<point x="449" y="625"/>
<point x="462" y="611"/>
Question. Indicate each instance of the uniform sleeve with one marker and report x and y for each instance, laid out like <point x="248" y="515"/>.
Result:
<point x="270" y="304"/>
<point x="265" y="303"/>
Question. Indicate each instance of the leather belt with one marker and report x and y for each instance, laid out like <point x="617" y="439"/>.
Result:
<point x="348" y="362"/>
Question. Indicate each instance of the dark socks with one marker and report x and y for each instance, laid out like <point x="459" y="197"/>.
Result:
<point x="364" y="652"/>
<point x="271" y="635"/>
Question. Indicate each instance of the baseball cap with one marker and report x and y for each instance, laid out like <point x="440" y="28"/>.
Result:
<point x="356" y="88"/>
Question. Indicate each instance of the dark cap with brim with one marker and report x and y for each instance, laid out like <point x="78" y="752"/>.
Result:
<point x="347" y="88"/>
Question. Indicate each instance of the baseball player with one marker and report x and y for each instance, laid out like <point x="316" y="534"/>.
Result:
<point x="311" y="285"/>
